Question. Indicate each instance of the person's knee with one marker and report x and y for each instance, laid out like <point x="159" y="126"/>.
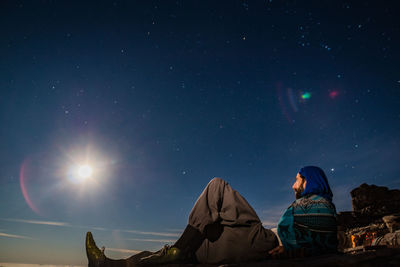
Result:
<point x="217" y="181"/>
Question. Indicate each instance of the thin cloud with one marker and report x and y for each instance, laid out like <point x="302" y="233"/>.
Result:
<point x="130" y="251"/>
<point x="91" y="227"/>
<point x="151" y="233"/>
<point x="65" y="224"/>
<point x="15" y="236"/>
<point x="39" y="222"/>
<point x="269" y="223"/>
<point x="152" y="240"/>
<point x="99" y="228"/>
<point x="175" y="230"/>
<point x="271" y="216"/>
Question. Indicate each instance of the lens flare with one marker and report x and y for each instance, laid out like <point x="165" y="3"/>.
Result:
<point x="333" y="94"/>
<point x="292" y="99"/>
<point x="282" y="103"/>
<point x="22" y="183"/>
<point x="85" y="171"/>
<point x="79" y="174"/>
<point x="306" y="95"/>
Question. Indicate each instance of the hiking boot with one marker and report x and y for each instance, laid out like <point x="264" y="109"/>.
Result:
<point x="166" y="255"/>
<point x="95" y="256"/>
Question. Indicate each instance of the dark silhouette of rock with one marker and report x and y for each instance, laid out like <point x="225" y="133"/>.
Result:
<point x="350" y="219"/>
<point x="375" y="214"/>
<point x="375" y="201"/>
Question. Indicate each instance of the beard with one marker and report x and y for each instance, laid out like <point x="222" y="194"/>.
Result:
<point x="299" y="191"/>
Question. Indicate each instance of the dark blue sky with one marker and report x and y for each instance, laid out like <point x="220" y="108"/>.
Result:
<point x="158" y="97"/>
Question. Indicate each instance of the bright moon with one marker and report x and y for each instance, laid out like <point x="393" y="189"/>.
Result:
<point x="85" y="171"/>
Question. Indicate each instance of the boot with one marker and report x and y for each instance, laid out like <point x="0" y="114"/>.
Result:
<point x="182" y="251"/>
<point x="164" y="256"/>
<point x="95" y="256"/>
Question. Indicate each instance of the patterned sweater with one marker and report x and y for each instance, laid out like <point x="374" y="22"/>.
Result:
<point x="309" y="223"/>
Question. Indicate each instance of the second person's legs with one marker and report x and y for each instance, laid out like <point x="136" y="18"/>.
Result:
<point x="233" y="231"/>
<point x="219" y="202"/>
<point x="219" y="206"/>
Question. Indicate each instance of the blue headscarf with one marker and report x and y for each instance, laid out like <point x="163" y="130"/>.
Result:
<point x="317" y="183"/>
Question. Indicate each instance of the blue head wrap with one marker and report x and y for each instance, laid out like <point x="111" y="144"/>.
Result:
<point x="317" y="183"/>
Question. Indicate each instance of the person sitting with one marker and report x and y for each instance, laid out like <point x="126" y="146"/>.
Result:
<point x="224" y="228"/>
<point x="309" y="225"/>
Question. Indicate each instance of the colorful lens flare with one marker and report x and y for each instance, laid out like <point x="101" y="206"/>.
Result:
<point x="333" y="94"/>
<point x="306" y="95"/>
<point x="22" y="183"/>
<point x="292" y="100"/>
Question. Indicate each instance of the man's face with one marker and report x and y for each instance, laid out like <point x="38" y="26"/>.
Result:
<point x="299" y="186"/>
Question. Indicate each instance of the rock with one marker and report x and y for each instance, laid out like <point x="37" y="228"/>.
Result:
<point x="362" y="258"/>
<point x="392" y="222"/>
<point x="375" y="201"/>
<point x="349" y="220"/>
<point x="346" y="219"/>
<point x="390" y="240"/>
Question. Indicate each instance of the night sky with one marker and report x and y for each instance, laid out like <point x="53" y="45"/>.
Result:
<point x="158" y="97"/>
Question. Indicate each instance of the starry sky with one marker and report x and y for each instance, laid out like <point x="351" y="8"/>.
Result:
<point x="159" y="97"/>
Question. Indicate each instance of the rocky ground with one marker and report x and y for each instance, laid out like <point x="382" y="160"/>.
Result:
<point x="378" y="257"/>
<point x="375" y="209"/>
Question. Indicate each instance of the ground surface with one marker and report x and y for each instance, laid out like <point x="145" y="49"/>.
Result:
<point x="380" y="257"/>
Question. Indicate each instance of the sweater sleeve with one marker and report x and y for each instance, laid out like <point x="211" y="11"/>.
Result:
<point x="285" y="230"/>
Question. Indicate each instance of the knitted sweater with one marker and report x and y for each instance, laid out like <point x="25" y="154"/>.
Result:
<point x="309" y="223"/>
